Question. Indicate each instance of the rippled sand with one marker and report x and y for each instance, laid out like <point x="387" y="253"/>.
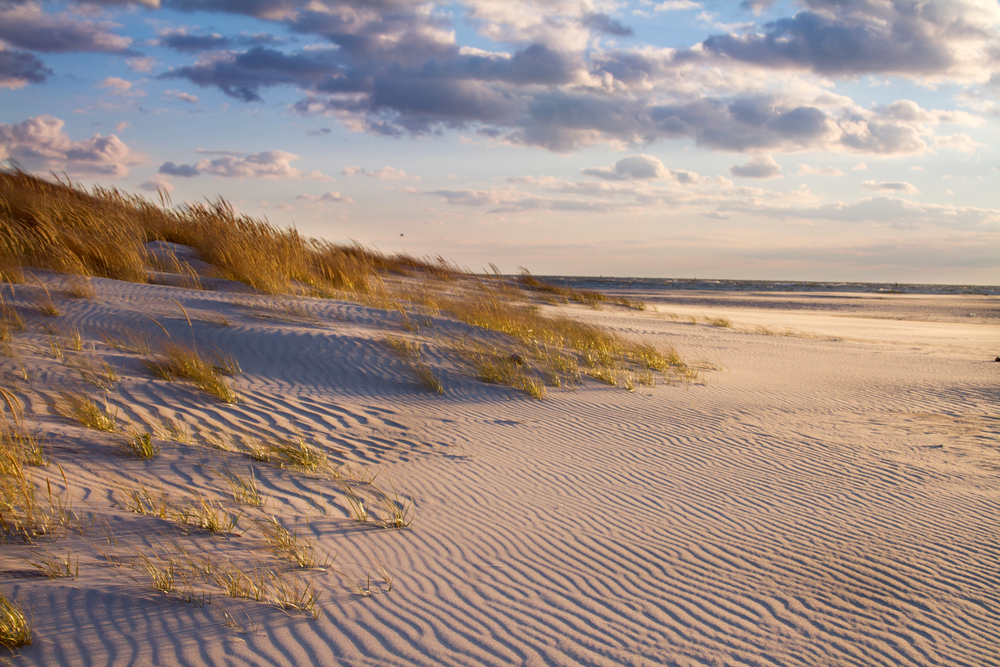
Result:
<point x="828" y="496"/>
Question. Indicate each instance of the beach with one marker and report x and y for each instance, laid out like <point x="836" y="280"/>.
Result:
<point x="823" y="492"/>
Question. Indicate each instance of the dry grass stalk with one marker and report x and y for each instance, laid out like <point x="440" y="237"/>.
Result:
<point x="128" y="340"/>
<point x="79" y="287"/>
<point x="95" y="371"/>
<point x="290" y="545"/>
<point x="15" y="626"/>
<point x="139" y="445"/>
<point x="181" y="361"/>
<point x="80" y="408"/>
<point x="54" y="567"/>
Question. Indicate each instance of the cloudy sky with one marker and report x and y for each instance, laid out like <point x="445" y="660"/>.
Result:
<point x="810" y="140"/>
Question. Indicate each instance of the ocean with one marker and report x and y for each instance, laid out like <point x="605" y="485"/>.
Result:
<point x="605" y="283"/>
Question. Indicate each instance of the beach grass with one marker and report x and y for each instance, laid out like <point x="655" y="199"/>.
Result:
<point x="15" y="625"/>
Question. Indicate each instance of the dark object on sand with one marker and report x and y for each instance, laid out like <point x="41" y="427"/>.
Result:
<point x="997" y="359"/>
<point x="519" y="360"/>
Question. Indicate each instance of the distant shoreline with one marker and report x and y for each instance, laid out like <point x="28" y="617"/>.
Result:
<point x="624" y="283"/>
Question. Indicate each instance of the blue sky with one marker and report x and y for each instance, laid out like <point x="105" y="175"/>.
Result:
<point x="810" y="140"/>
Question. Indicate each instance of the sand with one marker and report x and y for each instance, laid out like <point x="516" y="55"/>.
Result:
<point x="826" y="496"/>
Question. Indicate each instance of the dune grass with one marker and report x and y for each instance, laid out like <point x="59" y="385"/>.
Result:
<point x="15" y="625"/>
<point x="82" y="409"/>
<point x="181" y="361"/>
<point x="61" y="226"/>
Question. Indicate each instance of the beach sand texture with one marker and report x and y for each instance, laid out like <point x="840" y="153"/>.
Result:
<point x="829" y="497"/>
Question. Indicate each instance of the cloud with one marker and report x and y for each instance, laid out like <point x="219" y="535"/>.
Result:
<point x="851" y="37"/>
<point x="18" y="69"/>
<point x="759" y="166"/>
<point x="26" y="26"/>
<point x="180" y="96"/>
<point x="807" y="170"/>
<point x="40" y="143"/>
<point x="884" y="210"/>
<point x="155" y="184"/>
<point x="641" y="168"/>
<point x="181" y="40"/>
<point x="957" y="142"/>
<point x="631" y="168"/>
<point x="397" y="69"/>
<point x="115" y="84"/>
<point x="269" y="164"/>
<point x="861" y="166"/>
<point x="890" y="186"/>
<point x="182" y="170"/>
<point x="676" y="5"/>
<point x="388" y="173"/>
<point x="603" y="23"/>
<point x="141" y="64"/>
<point x="329" y="197"/>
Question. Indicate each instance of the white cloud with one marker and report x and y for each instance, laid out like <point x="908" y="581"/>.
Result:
<point x="387" y="173"/>
<point x="891" y="186"/>
<point x="861" y="166"/>
<point x="328" y="197"/>
<point x="957" y="142"/>
<point x="269" y="164"/>
<point x="676" y="5"/>
<point x="40" y="143"/>
<point x="180" y="96"/>
<point x="142" y="64"/>
<point x="808" y="170"/>
<point x="759" y="166"/>
<point x="114" y="83"/>
<point x="155" y="184"/>
<point x="641" y="168"/>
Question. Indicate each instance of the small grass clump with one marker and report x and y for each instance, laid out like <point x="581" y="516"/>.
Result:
<point x="80" y="408"/>
<point x="55" y="567"/>
<point x="127" y="340"/>
<point x="139" y="445"/>
<point x="244" y="489"/>
<point x="181" y="361"/>
<point x="410" y="351"/>
<point x="207" y="515"/>
<point x="15" y="626"/>
<point x="289" y="545"/>
<point x="79" y="287"/>
<point x="97" y="372"/>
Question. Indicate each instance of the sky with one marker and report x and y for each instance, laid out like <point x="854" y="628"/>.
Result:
<point x="844" y="140"/>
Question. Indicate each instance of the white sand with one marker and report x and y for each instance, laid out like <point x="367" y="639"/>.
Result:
<point x="817" y="502"/>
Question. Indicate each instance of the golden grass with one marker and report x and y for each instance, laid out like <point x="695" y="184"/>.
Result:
<point x="588" y="297"/>
<point x="139" y="445"/>
<point x="80" y="408"/>
<point x="60" y="225"/>
<point x="410" y="352"/>
<point x="15" y="626"/>
<point x="290" y="545"/>
<point x="127" y="340"/>
<point x="55" y="567"/>
<point x="181" y="361"/>
<point x="96" y="371"/>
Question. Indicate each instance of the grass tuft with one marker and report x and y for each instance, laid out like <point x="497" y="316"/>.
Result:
<point x="82" y="409"/>
<point x="181" y="361"/>
<point x="15" y="626"/>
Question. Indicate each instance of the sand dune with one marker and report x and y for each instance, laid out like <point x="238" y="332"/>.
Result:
<point x="825" y="498"/>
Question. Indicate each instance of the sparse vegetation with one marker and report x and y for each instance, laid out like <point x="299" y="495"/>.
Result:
<point x="80" y="408"/>
<point x="139" y="445"/>
<point x="15" y="626"/>
<point x="181" y="361"/>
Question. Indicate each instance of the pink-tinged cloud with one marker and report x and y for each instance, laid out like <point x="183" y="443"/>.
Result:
<point x="41" y="143"/>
